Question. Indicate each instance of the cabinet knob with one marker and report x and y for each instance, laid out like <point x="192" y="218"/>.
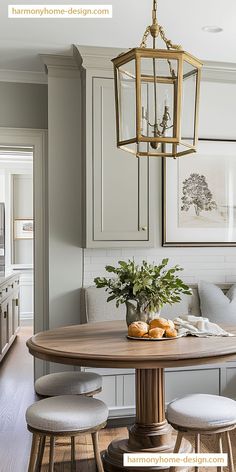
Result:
<point x="144" y="228"/>
<point x="5" y="314"/>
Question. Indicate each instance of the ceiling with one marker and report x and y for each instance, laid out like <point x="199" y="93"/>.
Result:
<point x="21" y="40"/>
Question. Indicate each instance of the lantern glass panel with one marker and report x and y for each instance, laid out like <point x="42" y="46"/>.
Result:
<point x="190" y="76"/>
<point x="158" y="95"/>
<point x="126" y="83"/>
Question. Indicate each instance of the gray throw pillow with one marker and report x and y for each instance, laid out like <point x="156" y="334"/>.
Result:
<point x="217" y="306"/>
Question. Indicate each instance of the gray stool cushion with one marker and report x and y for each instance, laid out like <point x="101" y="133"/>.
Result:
<point x="68" y="383"/>
<point x="66" y="413"/>
<point x="201" y="411"/>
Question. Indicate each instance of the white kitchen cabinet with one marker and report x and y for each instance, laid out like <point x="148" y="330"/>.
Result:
<point x="9" y="312"/>
<point x="4" y="314"/>
<point x="117" y="186"/>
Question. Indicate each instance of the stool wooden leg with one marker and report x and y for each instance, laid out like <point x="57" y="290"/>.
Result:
<point x="230" y="452"/>
<point x="33" y="453"/>
<point x="40" y="453"/>
<point x="197" y="447"/>
<point x="97" y="454"/>
<point x="220" y="445"/>
<point x="73" y="462"/>
<point x="177" y="447"/>
<point x="178" y="442"/>
<point x="51" y="455"/>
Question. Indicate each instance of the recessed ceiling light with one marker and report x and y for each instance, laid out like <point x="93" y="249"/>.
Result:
<point x="212" y="29"/>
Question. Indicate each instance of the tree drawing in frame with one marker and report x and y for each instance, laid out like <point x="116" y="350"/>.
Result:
<point x="196" y="193"/>
<point x="212" y="220"/>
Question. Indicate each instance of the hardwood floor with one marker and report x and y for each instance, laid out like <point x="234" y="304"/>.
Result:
<point x="16" y="394"/>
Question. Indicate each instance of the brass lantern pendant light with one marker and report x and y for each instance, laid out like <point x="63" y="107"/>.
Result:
<point x="157" y="97"/>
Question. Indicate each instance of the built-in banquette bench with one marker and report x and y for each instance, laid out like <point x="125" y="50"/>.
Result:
<point x="118" y="385"/>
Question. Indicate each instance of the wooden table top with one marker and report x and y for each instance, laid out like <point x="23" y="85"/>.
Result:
<point x="105" y="345"/>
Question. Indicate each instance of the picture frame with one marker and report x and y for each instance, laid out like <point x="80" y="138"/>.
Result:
<point x="199" y="201"/>
<point x="23" y="228"/>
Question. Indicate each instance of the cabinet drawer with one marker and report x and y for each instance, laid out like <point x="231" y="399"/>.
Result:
<point x="8" y="287"/>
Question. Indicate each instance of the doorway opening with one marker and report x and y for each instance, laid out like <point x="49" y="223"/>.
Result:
<point x="17" y="245"/>
<point x="32" y="145"/>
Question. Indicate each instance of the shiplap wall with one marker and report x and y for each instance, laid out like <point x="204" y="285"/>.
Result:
<point x="218" y="101"/>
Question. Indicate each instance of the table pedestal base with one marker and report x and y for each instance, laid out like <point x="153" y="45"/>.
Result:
<point x="113" y="457"/>
<point x="151" y="433"/>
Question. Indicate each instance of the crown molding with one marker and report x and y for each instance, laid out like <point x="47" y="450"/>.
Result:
<point x="219" y="71"/>
<point x="93" y="57"/>
<point x="26" y="77"/>
<point x="58" y="65"/>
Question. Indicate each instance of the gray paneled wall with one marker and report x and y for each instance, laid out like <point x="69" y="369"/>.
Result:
<point x="218" y="99"/>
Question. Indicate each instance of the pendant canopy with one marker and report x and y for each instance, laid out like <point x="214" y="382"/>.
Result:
<point x="157" y="98"/>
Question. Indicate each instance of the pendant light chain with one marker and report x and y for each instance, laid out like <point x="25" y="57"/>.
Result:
<point x="167" y="41"/>
<point x="155" y="30"/>
<point x="154" y="13"/>
<point x="145" y="37"/>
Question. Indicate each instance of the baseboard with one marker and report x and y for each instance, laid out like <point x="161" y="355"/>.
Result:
<point x="121" y="411"/>
<point x="26" y="321"/>
<point x="120" y="422"/>
<point x="26" y="318"/>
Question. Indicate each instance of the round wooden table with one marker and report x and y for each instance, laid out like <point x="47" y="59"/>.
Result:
<point x="105" y="345"/>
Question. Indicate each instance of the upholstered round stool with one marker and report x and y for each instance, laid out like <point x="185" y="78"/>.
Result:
<point x="69" y="383"/>
<point x="203" y="414"/>
<point x="66" y="415"/>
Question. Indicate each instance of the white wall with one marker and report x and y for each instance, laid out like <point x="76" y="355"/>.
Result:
<point x="217" y="120"/>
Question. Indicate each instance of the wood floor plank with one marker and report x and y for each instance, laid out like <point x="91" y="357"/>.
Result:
<point x="16" y="394"/>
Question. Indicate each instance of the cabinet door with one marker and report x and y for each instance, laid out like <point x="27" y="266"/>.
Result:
<point x="120" y="180"/>
<point x="10" y="318"/>
<point x="4" y="311"/>
<point x="15" y="310"/>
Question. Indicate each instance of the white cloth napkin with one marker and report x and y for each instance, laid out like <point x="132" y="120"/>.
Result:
<point x="198" y="326"/>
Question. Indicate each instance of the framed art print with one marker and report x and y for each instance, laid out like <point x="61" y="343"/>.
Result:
<point x="23" y="228"/>
<point x="199" y="196"/>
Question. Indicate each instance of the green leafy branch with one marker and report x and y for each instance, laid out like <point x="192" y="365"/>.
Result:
<point x="151" y="286"/>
